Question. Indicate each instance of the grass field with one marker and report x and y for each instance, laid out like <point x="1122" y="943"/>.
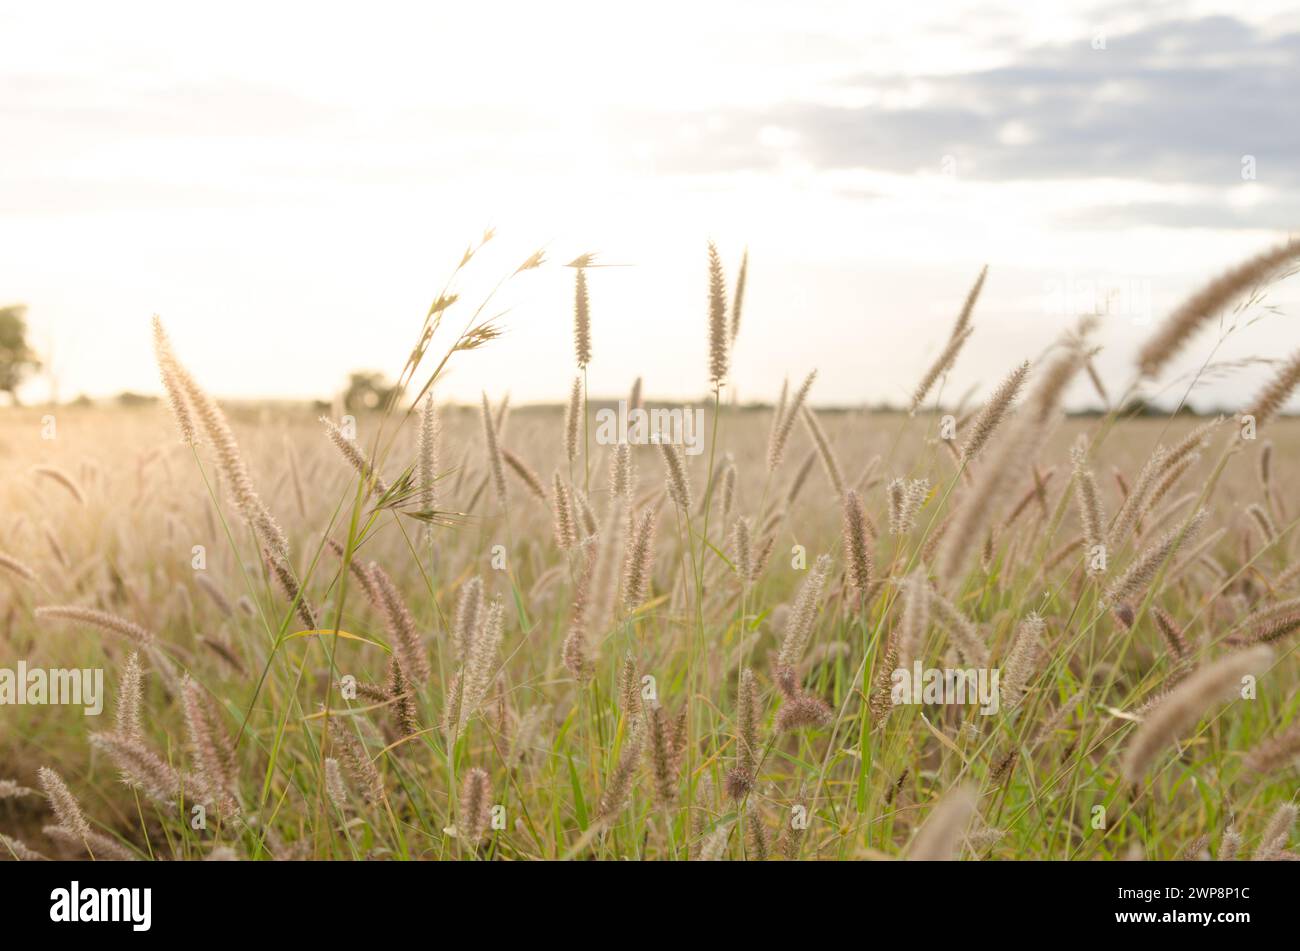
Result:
<point x="524" y="643"/>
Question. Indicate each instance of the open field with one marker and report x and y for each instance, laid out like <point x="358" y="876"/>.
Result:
<point x="673" y="686"/>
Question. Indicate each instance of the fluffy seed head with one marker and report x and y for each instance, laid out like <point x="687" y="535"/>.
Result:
<point x="719" y="341"/>
<point x="581" y="319"/>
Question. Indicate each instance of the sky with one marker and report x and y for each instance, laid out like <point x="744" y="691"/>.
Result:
<point x="289" y="186"/>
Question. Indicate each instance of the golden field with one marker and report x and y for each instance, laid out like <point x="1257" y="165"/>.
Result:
<point x="430" y="631"/>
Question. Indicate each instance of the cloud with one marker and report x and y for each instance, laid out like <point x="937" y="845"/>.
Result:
<point x="1180" y="101"/>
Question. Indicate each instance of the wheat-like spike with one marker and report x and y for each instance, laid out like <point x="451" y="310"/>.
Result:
<point x="574" y="418"/>
<point x="1287" y="578"/>
<point x="792" y="833"/>
<point x="427" y="457"/>
<point x="782" y="425"/>
<point x="638" y="561"/>
<point x="1269" y="612"/>
<point x="1171" y="632"/>
<point x="1180" y="326"/>
<point x="566" y="532"/>
<point x="994" y="412"/>
<point x="896" y="493"/>
<point x="180" y="406"/>
<point x="738" y="296"/>
<point x="1276" y="752"/>
<point x="719" y="342"/>
<point x="743" y="551"/>
<point x="803" y="615"/>
<point x="856" y="544"/>
<point x="1273" y="841"/>
<point x="61" y="478"/>
<point x="1230" y="846"/>
<point x="525" y="737"/>
<point x="352" y="754"/>
<point x="335" y="786"/>
<point x="128" y="718"/>
<point x="19" y="850"/>
<point x="1142" y="571"/>
<point x="64" y="805"/>
<point x="59" y="553"/>
<point x="799" y="710"/>
<point x="968" y="306"/>
<point x="229" y="459"/>
<point x="740" y="780"/>
<point x="758" y="842"/>
<point x="715" y="844"/>
<point x="703" y="811"/>
<point x="629" y="691"/>
<point x="494" y="461"/>
<point x="622" y="477"/>
<point x="399" y="694"/>
<point x="1198" y="438"/>
<point x="14" y="566"/>
<point x="469" y="607"/>
<point x="475" y="807"/>
<point x="1265" y="467"/>
<point x="1035" y="493"/>
<point x="210" y="746"/>
<point x="825" y="452"/>
<point x="915" y="620"/>
<point x="905" y="499"/>
<point x="1170" y="477"/>
<point x="965" y="636"/>
<point x="581" y="319"/>
<point x="99" y="847"/>
<point x="531" y="480"/>
<point x="763" y="554"/>
<point x="941" y="836"/>
<point x="1197" y="850"/>
<point x="1022" y="660"/>
<point x="727" y="489"/>
<point x="1088" y="501"/>
<point x="678" y="481"/>
<point x="358" y="571"/>
<point x="1273" y="396"/>
<point x="408" y="645"/>
<point x="618" y="787"/>
<point x="1090" y="369"/>
<point x="1186" y="702"/>
<point x="481" y="661"/>
<point x="1169" y="511"/>
<point x="576" y="650"/>
<point x="289" y="585"/>
<point x="947" y="357"/>
<point x="101" y="619"/>
<point x="9" y="789"/>
<point x="661" y="750"/>
<point x="1267" y="530"/>
<point x="141" y="768"/>
<point x="1126" y="518"/>
<point x="1045" y="399"/>
<point x="352" y="455"/>
<point x="1276" y="628"/>
<point x="587" y="522"/>
<point x="800" y="478"/>
<point x="213" y="591"/>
